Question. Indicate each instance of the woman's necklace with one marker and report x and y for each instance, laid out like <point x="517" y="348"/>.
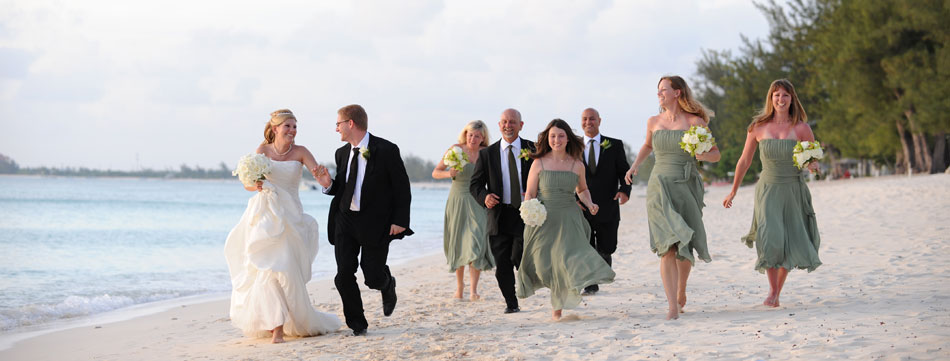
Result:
<point x="284" y="153"/>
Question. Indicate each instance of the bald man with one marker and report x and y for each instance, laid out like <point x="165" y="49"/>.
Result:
<point x="606" y="163"/>
<point x="504" y="171"/>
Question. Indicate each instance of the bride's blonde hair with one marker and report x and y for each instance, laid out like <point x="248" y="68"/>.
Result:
<point x="277" y="118"/>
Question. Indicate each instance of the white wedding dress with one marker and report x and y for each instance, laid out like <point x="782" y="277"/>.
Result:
<point x="269" y="254"/>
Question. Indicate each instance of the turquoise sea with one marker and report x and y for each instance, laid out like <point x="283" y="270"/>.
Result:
<point x="76" y="247"/>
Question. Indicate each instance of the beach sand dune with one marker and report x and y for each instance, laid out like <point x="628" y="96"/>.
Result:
<point x="881" y="293"/>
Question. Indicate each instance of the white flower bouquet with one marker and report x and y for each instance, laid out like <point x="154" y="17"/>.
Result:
<point x="533" y="212"/>
<point x="697" y="140"/>
<point x="806" y="151"/>
<point x="455" y="158"/>
<point x="252" y="168"/>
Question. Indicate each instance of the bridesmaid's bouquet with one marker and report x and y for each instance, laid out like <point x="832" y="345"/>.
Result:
<point x="805" y="152"/>
<point x="455" y="158"/>
<point x="533" y="212"/>
<point x="697" y="140"/>
<point x="252" y="168"/>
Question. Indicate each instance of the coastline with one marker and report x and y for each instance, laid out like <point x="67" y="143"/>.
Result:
<point x="874" y="297"/>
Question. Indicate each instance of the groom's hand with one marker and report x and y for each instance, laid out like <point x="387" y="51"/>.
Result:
<point x="321" y="174"/>
<point x="491" y="200"/>
<point x="394" y="230"/>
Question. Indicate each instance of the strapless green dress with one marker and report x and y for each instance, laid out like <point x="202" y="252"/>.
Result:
<point x="784" y="228"/>
<point x="465" y="237"/>
<point x="675" y="200"/>
<point x="557" y="254"/>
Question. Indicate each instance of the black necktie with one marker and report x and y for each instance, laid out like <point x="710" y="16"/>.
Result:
<point x="591" y="159"/>
<point x="514" y="179"/>
<point x="350" y="181"/>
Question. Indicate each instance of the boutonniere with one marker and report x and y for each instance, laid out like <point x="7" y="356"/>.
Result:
<point x="605" y="144"/>
<point x="525" y="154"/>
<point x="365" y="153"/>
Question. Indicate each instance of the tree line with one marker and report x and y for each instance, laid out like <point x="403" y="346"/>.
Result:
<point x="873" y="75"/>
<point x="418" y="169"/>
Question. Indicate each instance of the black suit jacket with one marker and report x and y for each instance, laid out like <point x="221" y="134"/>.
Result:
<point x="608" y="180"/>
<point x="385" y="194"/>
<point x="488" y="172"/>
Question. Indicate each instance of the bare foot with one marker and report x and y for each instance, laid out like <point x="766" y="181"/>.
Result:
<point x="672" y="314"/>
<point x="768" y="300"/>
<point x="278" y="335"/>
<point x="775" y="301"/>
<point x="682" y="301"/>
<point x="474" y="297"/>
<point x="458" y="294"/>
<point x="556" y="315"/>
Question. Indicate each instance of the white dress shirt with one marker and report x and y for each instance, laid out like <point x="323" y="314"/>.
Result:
<point x="360" y="172"/>
<point x="587" y="146"/>
<point x="506" y="183"/>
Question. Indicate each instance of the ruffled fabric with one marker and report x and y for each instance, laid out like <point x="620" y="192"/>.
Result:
<point x="269" y="254"/>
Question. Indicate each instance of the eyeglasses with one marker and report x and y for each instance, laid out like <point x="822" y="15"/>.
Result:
<point x="341" y="122"/>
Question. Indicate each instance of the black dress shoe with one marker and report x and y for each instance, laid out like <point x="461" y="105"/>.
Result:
<point x="359" y="332"/>
<point x="590" y="290"/>
<point x="389" y="298"/>
<point x="512" y="310"/>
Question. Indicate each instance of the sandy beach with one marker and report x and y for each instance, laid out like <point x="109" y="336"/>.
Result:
<point x="881" y="293"/>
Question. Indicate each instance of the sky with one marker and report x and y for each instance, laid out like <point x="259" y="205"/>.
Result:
<point x="132" y="84"/>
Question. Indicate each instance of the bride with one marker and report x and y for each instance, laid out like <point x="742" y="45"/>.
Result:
<point x="269" y="252"/>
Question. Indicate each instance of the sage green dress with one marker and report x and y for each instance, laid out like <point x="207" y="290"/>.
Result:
<point x="465" y="236"/>
<point x="557" y="254"/>
<point x="675" y="200"/>
<point x="784" y="229"/>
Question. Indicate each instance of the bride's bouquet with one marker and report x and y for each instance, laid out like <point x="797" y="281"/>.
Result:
<point x="252" y="168"/>
<point x="533" y="212"/>
<point x="697" y="140"/>
<point x="455" y="158"/>
<point x="806" y="151"/>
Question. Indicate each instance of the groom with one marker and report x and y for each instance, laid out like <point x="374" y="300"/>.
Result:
<point x="502" y="167"/>
<point x="370" y="208"/>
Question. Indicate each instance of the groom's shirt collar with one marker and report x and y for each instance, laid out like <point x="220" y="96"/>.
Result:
<point x="363" y="142"/>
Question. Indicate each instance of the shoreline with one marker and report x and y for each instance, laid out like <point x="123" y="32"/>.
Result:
<point x="874" y="297"/>
<point x="133" y="312"/>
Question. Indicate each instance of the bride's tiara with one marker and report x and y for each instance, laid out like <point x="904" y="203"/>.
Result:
<point x="284" y="113"/>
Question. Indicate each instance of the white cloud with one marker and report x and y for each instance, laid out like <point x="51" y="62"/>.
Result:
<point x="193" y="81"/>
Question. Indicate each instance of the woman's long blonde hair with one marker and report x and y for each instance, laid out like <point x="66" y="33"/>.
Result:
<point x="796" y="113"/>
<point x="686" y="101"/>
<point x="277" y="118"/>
<point x="475" y="126"/>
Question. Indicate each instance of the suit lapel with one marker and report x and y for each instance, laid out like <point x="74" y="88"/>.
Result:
<point x="600" y="156"/>
<point x="370" y="162"/>
<point x="524" y="163"/>
<point x="494" y="160"/>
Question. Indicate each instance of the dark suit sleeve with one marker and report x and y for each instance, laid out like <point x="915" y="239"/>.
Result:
<point x="480" y="178"/>
<point x="402" y="193"/>
<point x="340" y="178"/>
<point x="622" y="166"/>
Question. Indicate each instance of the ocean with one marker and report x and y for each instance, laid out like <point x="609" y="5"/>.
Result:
<point x="71" y="248"/>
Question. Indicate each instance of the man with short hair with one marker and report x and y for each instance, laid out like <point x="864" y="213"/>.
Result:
<point x="370" y="208"/>
<point x="503" y="167"/>
<point x="606" y="164"/>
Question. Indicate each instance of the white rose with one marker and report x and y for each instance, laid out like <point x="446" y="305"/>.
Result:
<point x="693" y="139"/>
<point x="701" y="131"/>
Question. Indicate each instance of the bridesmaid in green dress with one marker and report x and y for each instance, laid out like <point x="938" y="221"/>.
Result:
<point x="464" y="236"/>
<point x="784" y="229"/>
<point x="557" y="254"/>
<point x="675" y="190"/>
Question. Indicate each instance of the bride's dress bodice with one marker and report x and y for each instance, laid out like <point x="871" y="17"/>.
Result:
<point x="269" y="254"/>
<point x="285" y="175"/>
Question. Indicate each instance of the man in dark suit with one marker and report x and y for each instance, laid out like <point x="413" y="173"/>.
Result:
<point x="606" y="163"/>
<point x="370" y="208"/>
<point x="503" y="167"/>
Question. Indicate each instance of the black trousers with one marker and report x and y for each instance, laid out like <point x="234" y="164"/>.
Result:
<point x="603" y="237"/>
<point x="507" y="247"/>
<point x="348" y="251"/>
